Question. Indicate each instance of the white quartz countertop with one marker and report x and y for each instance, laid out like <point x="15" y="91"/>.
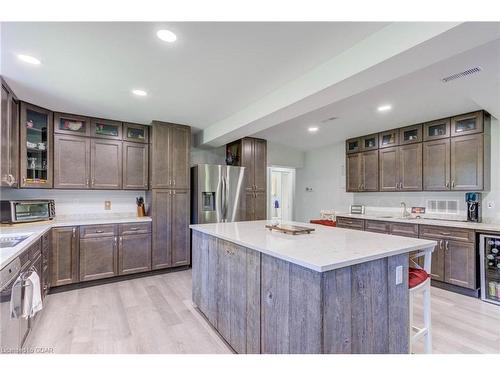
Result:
<point x="37" y="229"/>
<point x="324" y="249"/>
<point x="478" y="227"/>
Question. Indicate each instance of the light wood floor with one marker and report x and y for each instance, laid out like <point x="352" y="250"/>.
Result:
<point x="155" y="315"/>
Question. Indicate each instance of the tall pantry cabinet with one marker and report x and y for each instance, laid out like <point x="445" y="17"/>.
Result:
<point x="169" y="197"/>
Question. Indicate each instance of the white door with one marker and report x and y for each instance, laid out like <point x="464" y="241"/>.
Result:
<point x="280" y="197"/>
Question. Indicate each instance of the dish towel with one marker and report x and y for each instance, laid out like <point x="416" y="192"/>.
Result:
<point x="16" y="310"/>
<point x="32" y="296"/>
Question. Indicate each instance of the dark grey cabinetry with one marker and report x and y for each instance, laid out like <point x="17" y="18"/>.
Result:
<point x="98" y="252"/>
<point x="170" y="213"/>
<point x="466" y="162"/>
<point x="64" y="256"/>
<point x="134" y="253"/>
<point x="401" y="168"/>
<point x="170" y="153"/>
<point x="105" y="164"/>
<point x="135" y="166"/>
<point x="363" y="171"/>
<point x="9" y="138"/>
<point x="109" y="129"/>
<point x="436" y="164"/>
<point x="71" y="162"/>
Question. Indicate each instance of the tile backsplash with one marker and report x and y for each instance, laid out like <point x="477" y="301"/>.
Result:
<point x="81" y="202"/>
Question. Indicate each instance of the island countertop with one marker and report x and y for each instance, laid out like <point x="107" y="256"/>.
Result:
<point x="322" y="250"/>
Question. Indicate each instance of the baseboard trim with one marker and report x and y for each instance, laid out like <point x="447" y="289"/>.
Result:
<point x="455" y="288"/>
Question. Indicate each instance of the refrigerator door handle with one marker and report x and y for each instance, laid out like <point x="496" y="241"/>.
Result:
<point x="223" y="199"/>
<point x="226" y="198"/>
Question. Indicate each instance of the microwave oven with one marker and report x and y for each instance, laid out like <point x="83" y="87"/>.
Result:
<point x="25" y="211"/>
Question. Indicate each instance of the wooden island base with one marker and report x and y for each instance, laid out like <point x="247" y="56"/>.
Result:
<point x="262" y="304"/>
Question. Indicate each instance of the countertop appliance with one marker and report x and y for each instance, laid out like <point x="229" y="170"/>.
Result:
<point x="489" y="254"/>
<point x="10" y="328"/>
<point x="473" y="201"/>
<point x="27" y="210"/>
<point x="217" y="194"/>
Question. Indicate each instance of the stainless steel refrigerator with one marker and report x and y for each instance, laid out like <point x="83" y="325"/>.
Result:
<point x="217" y="194"/>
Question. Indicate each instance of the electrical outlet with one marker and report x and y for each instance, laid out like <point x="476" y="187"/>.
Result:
<point x="491" y="204"/>
<point x="107" y="205"/>
<point x="399" y="275"/>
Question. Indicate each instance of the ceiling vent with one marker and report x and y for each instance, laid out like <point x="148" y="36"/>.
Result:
<point x="329" y="119"/>
<point x="463" y="74"/>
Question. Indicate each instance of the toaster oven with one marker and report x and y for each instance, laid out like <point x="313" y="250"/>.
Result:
<point x="27" y="210"/>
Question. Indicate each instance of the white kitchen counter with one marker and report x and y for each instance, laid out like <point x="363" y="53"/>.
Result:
<point x="325" y="249"/>
<point x="478" y="227"/>
<point x="37" y="229"/>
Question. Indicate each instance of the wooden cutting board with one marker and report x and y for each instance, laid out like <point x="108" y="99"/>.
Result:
<point x="290" y="229"/>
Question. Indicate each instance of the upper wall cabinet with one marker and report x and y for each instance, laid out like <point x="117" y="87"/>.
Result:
<point x="369" y="142"/>
<point x="106" y="129"/>
<point x="135" y="133"/>
<point x="9" y="138"/>
<point x="447" y="154"/>
<point x="437" y="129"/>
<point x="65" y="123"/>
<point x="389" y="138"/>
<point x="410" y="134"/>
<point x="469" y="123"/>
<point x="35" y="147"/>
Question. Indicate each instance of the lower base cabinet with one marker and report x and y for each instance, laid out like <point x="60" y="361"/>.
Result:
<point x="134" y="253"/>
<point x="98" y="258"/>
<point x="460" y="264"/>
<point x="64" y="256"/>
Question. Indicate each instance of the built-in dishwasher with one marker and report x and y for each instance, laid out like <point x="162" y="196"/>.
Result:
<point x="10" y="328"/>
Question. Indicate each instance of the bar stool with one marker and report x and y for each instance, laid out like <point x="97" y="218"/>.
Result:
<point x="420" y="282"/>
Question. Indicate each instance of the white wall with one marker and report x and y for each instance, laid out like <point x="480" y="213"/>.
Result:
<point x="279" y="155"/>
<point x="208" y="155"/>
<point x="81" y="202"/>
<point x="324" y="172"/>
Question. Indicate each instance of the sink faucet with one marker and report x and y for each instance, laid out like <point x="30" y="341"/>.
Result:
<point x="404" y="212"/>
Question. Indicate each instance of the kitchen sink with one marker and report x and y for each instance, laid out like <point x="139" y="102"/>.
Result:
<point x="11" y="240"/>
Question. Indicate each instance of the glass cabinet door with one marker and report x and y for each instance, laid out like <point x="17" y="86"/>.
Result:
<point x="36" y="146"/>
<point x="353" y="145"/>
<point x="71" y="124"/>
<point x="106" y="129"/>
<point x="369" y="142"/>
<point x="410" y="134"/>
<point x="437" y="129"/>
<point x="135" y="133"/>
<point x="467" y="124"/>
<point x="389" y="138"/>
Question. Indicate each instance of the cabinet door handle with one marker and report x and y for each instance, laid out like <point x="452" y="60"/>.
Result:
<point x="134" y="228"/>
<point x="446" y="246"/>
<point x="447" y="184"/>
<point x="169" y="181"/>
<point x="74" y="232"/>
<point x="173" y="181"/>
<point x="87" y="182"/>
<point x="99" y="231"/>
<point x="452" y="183"/>
<point x="24" y="180"/>
<point x="93" y="181"/>
<point x="116" y="240"/>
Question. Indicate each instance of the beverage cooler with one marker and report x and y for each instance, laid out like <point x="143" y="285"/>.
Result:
<point x="490" y="268"/>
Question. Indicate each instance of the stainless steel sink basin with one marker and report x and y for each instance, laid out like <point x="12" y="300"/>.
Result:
<point x="11" y="241"/>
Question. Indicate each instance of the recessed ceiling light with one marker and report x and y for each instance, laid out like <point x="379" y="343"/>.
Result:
<point x="139" y="92"/>
<point x="29" y="59"/>
<point x="166" y="36"/>
<point x="312" y="129"/>
<point x="384" y="108"/>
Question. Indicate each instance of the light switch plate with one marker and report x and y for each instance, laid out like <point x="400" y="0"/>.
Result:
<point x="107" y="205"/>
<point x="399" y="275"/>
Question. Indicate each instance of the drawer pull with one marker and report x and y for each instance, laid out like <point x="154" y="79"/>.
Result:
<point x="134" y="228"/>
<point x="99" y="231"/>
<point x="445" y="233"/>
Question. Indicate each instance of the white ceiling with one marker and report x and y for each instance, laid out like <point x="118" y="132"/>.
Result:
<point x="212" y="71"/>
<point x="416" y="97"/>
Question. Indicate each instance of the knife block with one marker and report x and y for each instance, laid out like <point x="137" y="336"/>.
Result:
<point x="141" y="212"/>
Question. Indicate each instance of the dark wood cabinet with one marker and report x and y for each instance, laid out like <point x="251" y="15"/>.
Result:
<point x="353" y="145"/>
<point x="109" y="129"/>
<point x="170" y="155"/>
<point x="134" y="253"/>
<point x="71" y="162"/>
<point x="377" y="226"/>
<point x="256" y="202"/>
<point x="64" y="256"/>
<point x="436" y="165"/>
<point x="467" y="162"/>
<point x="135" y="133"/>
<point x="438" y="129"/>
<point x="105" y="164"/>
<point x="135" y="166"/>
<point x="350" y="223"/>
<point x="170" y="213"/>
<point x="98" y="257"/>
<point x="469" y="123"/>
<point x="389" y="138"/>
<point x="388" y="161"/>
<point x="401" y="168"/>
<point x="410" y="134"/>
<point x="45" y="274"/>
<point x="35" y="149"/>
<point x="460" y="263"/>
<point x="437" y="263"/>
<point x="65" y="123"/>
<point x="363" y="171"/>
<point x="369" y="142"/>
<point x="9" y="138"/>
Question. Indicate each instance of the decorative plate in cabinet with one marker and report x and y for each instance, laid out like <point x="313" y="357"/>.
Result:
<point x="135" y="133"/>
<point x="106" y="129"/>
<point x="66" y="123"/>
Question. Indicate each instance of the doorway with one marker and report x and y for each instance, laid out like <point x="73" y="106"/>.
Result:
<point x="280" y="193"/>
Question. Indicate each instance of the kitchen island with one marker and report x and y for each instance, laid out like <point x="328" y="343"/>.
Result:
<point x="332" y="291"/>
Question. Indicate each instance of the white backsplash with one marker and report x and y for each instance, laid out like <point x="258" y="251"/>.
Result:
<point x="82" y="203"/>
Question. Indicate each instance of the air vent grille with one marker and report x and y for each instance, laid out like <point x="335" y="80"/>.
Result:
<point x="463" y="74"/>
<point x="329" y="119"/>
<point x="442" y="206"/>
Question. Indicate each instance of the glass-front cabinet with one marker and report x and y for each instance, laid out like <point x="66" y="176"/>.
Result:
<point x="469" y="123"/>
<point x="389" y="138"/>
<point x="369" y="142"/>
<point x="35" y="147"/>
<point x="106" y="129"/>
<point x="410" y="134"/>
<point x="135" y="133"/>
<point x="353" y="145"/>
<point x="71" y="124"/>
<point x="437" y="129"/>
